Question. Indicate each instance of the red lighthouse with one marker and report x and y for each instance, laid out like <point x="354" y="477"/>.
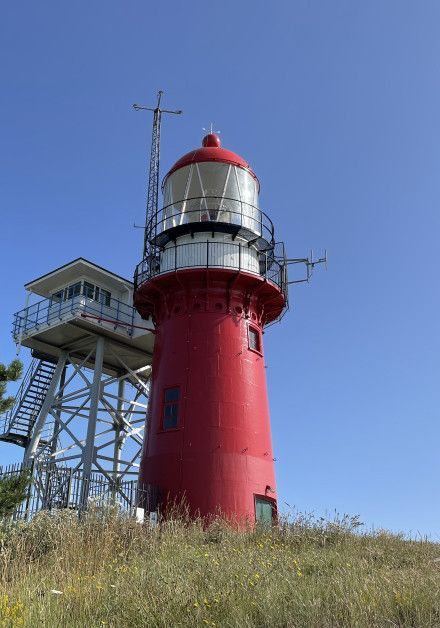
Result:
<point x="211" y="283"/>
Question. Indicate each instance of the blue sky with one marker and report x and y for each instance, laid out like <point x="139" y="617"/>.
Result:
<point x="336" y="106"/>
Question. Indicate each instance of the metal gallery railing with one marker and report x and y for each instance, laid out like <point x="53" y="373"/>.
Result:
<point x="249" y="219"/>
<point x="50" y="312"/>
<point x="214" y="254"/>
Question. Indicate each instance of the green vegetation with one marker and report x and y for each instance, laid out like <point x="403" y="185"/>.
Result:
<point x="108" y="570"/>
<point x="13" y="490"/>
<point x="8" y="374"/>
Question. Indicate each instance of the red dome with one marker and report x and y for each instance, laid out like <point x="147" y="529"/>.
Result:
<point x="211" y="150"/>
<point x="212" y="139"/>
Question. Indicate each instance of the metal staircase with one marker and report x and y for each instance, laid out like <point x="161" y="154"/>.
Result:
<point x="16" y="425"/>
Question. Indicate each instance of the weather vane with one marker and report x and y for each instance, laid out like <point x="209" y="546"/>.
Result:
<point x="211" y="129"/>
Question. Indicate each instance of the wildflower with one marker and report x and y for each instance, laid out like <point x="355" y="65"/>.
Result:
<point x="11" y="613"/>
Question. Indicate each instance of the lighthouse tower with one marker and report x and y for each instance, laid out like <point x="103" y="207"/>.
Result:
<point x="212" y="280"/>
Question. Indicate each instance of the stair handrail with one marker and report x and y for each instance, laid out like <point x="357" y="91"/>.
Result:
<point x="8" y="416"/>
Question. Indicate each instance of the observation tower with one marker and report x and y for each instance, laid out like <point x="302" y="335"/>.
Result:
<point x="79" y="412"/>
<point x="212" y="280"/>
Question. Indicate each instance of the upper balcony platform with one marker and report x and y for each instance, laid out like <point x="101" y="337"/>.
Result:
<point x="79" y="306"/>
<point x="216" y="254"/>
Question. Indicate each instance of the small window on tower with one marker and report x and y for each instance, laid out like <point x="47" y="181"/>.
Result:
<point x="254" y="339"/>
<point x="170" y="415"/>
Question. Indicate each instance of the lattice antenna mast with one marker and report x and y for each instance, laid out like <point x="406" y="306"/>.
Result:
<point x="153" y="177"/>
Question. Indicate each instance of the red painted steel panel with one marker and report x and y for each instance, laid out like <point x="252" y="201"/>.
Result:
<point x="220" y="456"/>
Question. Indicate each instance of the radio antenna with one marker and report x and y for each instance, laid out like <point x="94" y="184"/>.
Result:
<point x="153" y="177"/>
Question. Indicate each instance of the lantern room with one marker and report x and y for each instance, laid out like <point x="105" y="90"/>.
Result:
<point x="211" y="188"/>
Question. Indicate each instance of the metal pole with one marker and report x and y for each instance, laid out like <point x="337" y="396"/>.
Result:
<point x="29" y="491"/>
<point x="56" y="427"/>
<point x="23" y="329"/>
<point x="89" y="448"/>
<point x="119" y="437"/>
<point x="31" y="449"/>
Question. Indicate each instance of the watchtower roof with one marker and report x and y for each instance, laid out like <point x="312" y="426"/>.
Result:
<point x="69" y="272"/>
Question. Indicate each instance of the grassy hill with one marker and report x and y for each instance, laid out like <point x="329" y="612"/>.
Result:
<point x="110" y="571"/>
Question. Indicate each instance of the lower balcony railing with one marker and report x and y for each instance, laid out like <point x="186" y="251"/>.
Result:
<point x="212" y="254"/>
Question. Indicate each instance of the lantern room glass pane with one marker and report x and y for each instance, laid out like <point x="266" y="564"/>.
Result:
<point x="175" y="186"/>
<point x="248" y="187"/>
<point x="211" y="191"/>
<point x="212" y="178"/>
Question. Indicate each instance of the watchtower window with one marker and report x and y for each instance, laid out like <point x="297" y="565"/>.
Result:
<point x="170" y="414"/>
<point x="102" y="296"/>
<point x="57" y="297"/>
<point x="87" y="289"/>
<point x="74" y="290"/>
<point x="97" y="294"/>
<point x="254" y="339"/>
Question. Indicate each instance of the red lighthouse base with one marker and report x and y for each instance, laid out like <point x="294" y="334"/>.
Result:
<point x="208" y="437"/>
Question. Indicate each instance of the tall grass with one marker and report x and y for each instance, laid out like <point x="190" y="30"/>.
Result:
<point x="108" y="570"/>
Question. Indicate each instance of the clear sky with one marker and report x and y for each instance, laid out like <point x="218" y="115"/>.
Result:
<point x="337" y="107"/>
